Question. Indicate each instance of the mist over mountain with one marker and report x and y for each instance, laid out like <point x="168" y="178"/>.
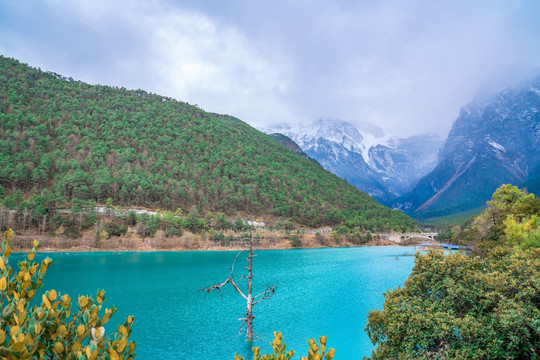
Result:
<point x="495" y="140"/>
<point x="402" y="162"/>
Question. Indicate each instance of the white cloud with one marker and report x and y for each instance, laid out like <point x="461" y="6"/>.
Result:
<point x="406" y="66"/>
<point x="170" y="51"/>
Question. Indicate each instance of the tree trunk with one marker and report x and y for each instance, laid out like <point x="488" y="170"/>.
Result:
<point x="249" y="313"/>
<point x="250" y="299"/>
<point x="80" y="220"/>
<point x="44" y="224"/>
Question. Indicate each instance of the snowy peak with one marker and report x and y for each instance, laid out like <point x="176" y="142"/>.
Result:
<point x="384" y="168"/>
<point x="342" y="134"/>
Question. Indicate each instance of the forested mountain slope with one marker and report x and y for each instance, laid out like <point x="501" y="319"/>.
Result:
<point x="64" y="141"/>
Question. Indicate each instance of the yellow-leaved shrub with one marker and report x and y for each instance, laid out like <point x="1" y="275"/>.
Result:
<point x="51" y="330"/>
<point x="316" y="351"/>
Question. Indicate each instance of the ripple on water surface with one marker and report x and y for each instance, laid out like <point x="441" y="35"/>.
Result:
<point x="320" y="291"/>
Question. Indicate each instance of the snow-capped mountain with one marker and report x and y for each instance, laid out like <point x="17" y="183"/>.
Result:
<point x="495" y="140"/>
<point x="384" y="168"/>
<point x="402" y="161"/>
<point x="340" y="133"/>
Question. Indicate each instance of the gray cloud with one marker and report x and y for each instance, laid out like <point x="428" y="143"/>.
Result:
<point x="406" y="66"/>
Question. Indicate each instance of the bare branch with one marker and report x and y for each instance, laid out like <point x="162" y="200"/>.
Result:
<point x="247" y="321"/>
<point x="234" y="262"/>
<point x="238" y="289"/>
<point x="243" y="277"/>
<point x="230" y="280"/>
<point x="216" y="287"/>
<point x="243" y="325"/>
<point x="266" y="294"/>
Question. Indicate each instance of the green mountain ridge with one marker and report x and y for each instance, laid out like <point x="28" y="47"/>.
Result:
<point x="64" y="141"/>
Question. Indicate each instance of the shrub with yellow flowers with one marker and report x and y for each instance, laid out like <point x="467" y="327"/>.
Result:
<point x="316" y="351"/>
<point x="51" y="330"/>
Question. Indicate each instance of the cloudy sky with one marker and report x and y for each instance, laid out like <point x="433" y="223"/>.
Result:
<point x="406" y="66"/>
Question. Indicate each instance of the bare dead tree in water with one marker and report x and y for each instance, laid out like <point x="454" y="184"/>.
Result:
<point x="247" y="321"/>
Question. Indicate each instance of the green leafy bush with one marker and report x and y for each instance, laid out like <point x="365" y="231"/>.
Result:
<point x="511" y="218"/>
<point x="114" y="229"/>
<point x="72" y="232"/>
<point x="463" y="307"/>
<point x="295" y="241"/>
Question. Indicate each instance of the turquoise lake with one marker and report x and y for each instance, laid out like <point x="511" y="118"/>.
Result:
<point x="320" y="291"/>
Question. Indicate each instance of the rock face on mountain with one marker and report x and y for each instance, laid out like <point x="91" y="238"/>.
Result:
<point x="289" y="143"/>
<point x="384" y="168"/>
<point x="401" y="162"/>
<point x="495" y="140"/>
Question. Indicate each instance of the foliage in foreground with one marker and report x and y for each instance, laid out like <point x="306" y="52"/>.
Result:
<point x="51" y="330"/>
<point x="316" y="352"/>
<point x="511" y="218"/>
<point x="463" y="307"/>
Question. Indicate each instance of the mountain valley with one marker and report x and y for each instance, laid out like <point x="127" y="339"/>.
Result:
<point x="495" y="140"/>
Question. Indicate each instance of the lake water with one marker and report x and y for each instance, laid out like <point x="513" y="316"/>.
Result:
<point x="320" y="291"/>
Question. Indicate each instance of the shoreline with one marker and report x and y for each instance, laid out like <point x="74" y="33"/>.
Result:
<point x="148" y="250"/>
<point x="56" y="243"/>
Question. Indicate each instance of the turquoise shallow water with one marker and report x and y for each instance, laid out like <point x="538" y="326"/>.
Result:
<point x="320" y="291"/>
